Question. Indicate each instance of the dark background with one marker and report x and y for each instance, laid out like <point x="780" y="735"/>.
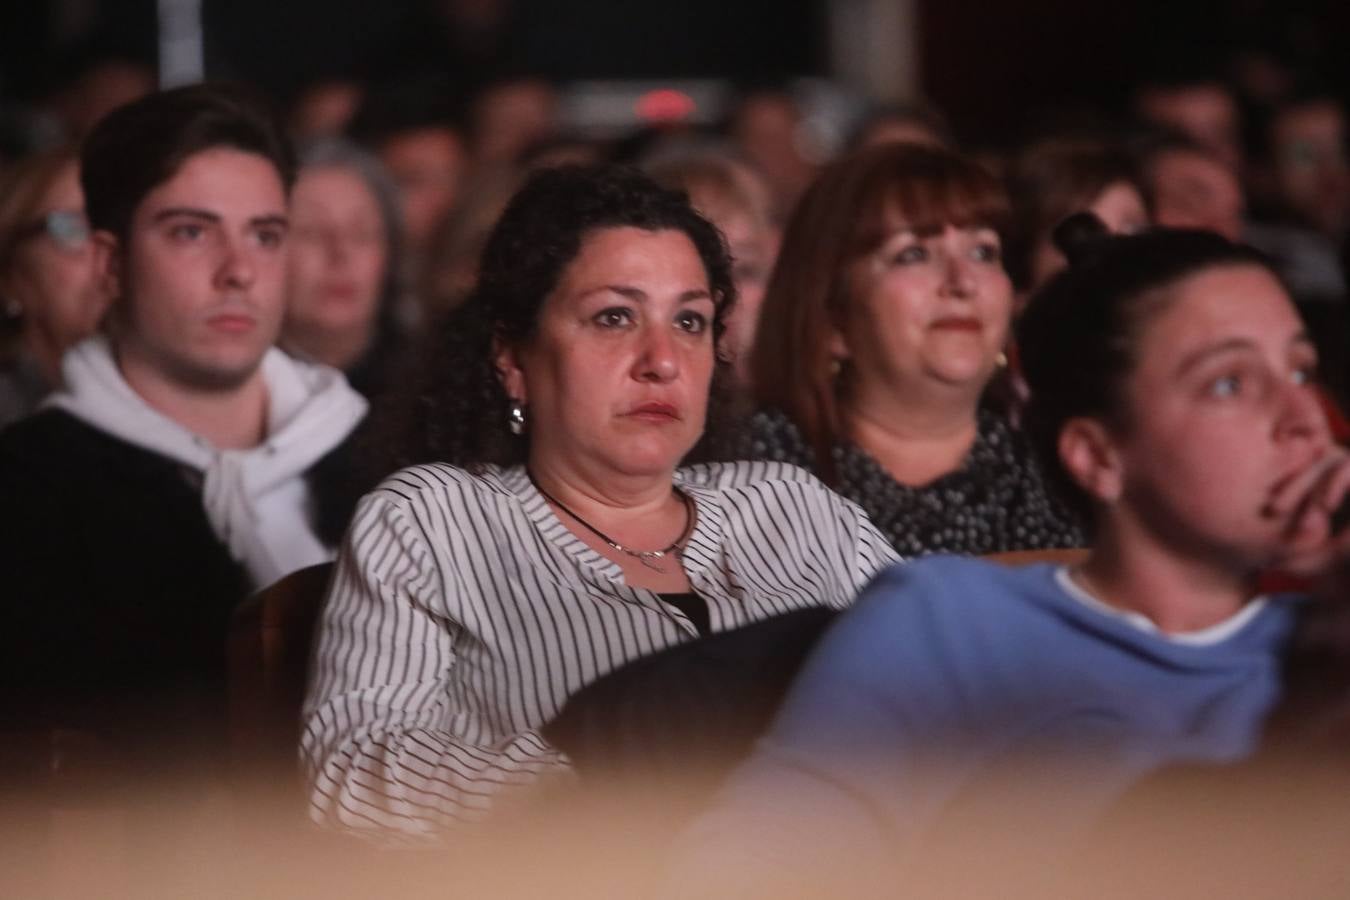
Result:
<point x="996" y="67"/>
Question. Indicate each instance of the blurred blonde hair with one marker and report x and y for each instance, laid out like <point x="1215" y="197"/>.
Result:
<point x="22" y="187"/>
<point x="719" y="186"/>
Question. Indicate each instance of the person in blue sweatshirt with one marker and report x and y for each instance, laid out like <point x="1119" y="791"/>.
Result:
<point x="1172" y="398"/>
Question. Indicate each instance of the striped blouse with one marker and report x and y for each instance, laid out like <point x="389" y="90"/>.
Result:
<point x="463" y="614"/>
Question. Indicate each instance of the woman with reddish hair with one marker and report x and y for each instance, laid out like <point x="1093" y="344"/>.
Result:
<point x="882" y="333"/>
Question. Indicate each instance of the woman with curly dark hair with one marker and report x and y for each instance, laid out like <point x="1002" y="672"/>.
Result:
<point x="559" y="535"/>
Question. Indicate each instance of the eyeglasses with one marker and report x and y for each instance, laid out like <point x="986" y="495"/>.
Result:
<point x="68" y="228"/>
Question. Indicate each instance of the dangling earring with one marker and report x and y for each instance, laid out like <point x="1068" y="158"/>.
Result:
<point x="515" y="417"/>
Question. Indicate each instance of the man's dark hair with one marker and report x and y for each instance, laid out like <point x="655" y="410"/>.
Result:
<point x="456" y="411"/>
<point x="1078" y="338"/>
<point x="138" y="147"/>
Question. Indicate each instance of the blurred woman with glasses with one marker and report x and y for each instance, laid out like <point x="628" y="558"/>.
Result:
<point x="50" y="297"/>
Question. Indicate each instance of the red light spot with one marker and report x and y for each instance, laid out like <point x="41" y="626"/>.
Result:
<point x="664" y="105"/>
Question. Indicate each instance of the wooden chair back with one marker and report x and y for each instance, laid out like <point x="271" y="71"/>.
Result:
<point x="271" y="635"/>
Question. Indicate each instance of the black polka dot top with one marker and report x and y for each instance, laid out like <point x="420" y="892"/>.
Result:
<point x="997" y="501"/>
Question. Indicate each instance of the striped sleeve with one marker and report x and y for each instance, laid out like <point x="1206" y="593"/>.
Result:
<point x="801" y="501"/>
<point x="875" y="551"/>
<point x="383" y="749"/>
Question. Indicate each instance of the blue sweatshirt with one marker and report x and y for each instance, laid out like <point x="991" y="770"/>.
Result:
<point x="949" y="670"/>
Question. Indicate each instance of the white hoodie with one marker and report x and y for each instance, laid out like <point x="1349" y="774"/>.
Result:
<point x="257" y="500"/>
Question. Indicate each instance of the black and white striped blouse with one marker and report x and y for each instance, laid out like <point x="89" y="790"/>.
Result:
<point x="463" y="614"/>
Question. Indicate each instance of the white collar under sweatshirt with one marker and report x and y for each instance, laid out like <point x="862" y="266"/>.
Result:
<point x="257" y="500"/>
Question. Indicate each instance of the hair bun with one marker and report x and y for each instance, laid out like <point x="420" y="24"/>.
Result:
<point x="1080" y="237"/>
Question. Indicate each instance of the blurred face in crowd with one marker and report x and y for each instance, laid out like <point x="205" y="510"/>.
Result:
<point x="617" y="374"/>
<point x="771" y="134"/>
<point x="427" y="165"/>
<point x="1205" y="113"/>
<point x="926" y="311"/>
<point x="742" y="215"/>
<point x="1193" y="190"/>
<point x="100" y="90"/>
<point x="52" y="275"/>
<point x="1120" y="208"/>
<point x="1311" y="171"/>
<point x="200" y="279"/>
<point x="899" y="129"/>
<point x="338" y="254"/>
<point x="1221" y="411"/>
<point x="753" y="249"/>
<point x="325" y="109"/>
<point x="509" y="118"/>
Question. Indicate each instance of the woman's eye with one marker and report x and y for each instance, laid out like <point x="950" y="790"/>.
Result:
<point x="1227" y="386"/>
<point x="1305" y="375"/>
<point x="615" y="317"/>
<point x="914" y="253"/>
<point x="988" y="252"/>
<point x="692" y="322"/>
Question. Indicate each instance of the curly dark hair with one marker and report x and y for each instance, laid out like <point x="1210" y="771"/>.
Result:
<point x="457" y="409"/>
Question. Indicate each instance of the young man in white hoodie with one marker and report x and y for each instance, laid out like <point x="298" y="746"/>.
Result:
<point x="182" y="466"/>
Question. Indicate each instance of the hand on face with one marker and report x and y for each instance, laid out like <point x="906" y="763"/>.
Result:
<point x="1309" y="502"/>
<point x="1227" y="442"/>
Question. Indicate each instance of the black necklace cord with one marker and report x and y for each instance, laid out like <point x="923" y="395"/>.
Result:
<point x="644" y="555"/>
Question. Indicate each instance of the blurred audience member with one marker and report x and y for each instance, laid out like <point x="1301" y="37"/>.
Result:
<point x="560" y="534"/>
<point x="1188" y="187"/>
<point x="562" y="150"/>
<point x="411" y="129"/>
<point x="1171" y="382"/>
<point x="1301" y="198"/>
<point x="325" y="109"/>
<point x="768" y="128"/>
<point x="97" y="88"/>
<point x="902" y="124"/>
<point x="510" y="117"/>
<point x="343" y="275"/>
<point x="1051" y="180"/>
<point x="884" y="323"/>
<point x="1307" y="166"/>
<point x="1201" y="108"/>
<point x="181" y="464"/>
<point x="49" y="287"/>
<point x="734" y="198"/>
<point x="452" y="257"/>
